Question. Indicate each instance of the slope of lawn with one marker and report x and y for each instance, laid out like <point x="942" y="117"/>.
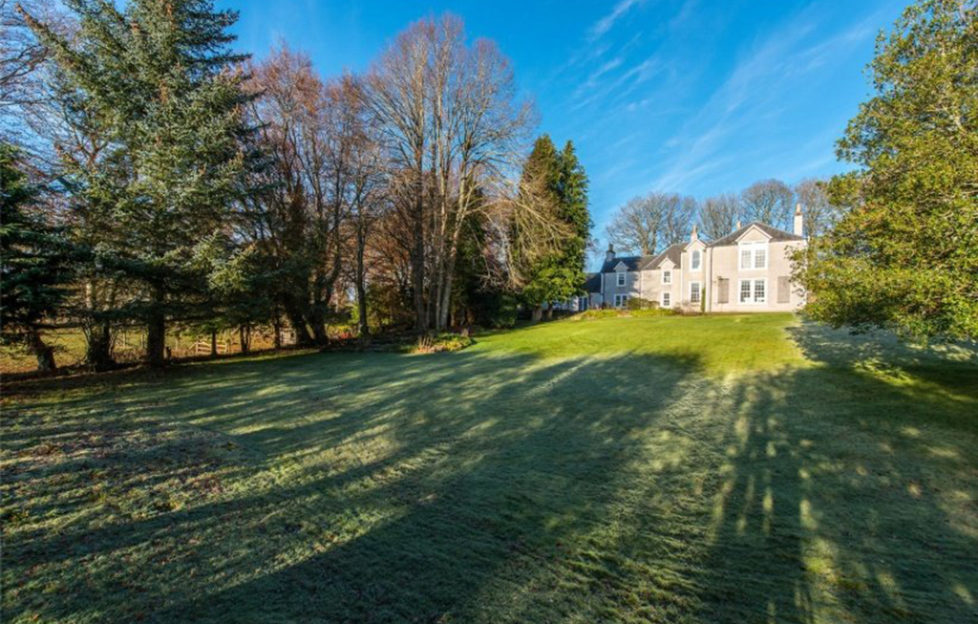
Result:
<point x="718" y="469"/>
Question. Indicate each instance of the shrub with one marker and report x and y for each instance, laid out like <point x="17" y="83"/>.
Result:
<point x="441" y="342"/>
<point x="637" y="303"/>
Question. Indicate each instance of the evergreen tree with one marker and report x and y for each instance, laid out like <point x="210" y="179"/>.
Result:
<point x="34" y="263"/>
<point x="906" y="254"/>
<point x="160" y="80"/>
<point x="558" y="275"/>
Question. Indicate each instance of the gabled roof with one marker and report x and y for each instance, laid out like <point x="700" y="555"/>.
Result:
<point x="593" y="283"/>
<point x="775" y="234"/>
<point x="631" y="263"/>
<point x="673" y="253"/>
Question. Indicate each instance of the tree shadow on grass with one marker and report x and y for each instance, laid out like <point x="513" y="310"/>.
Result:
<point x="396" y="494"/>
<point x="845" y="491"/>
<point x="477" y="487"/>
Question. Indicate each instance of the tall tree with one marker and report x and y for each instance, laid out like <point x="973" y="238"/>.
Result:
<point x="452" y="126"/>
<point x="819" y="213"/>
<point x="906" y="254"/>
<point x="34" y="262"/>
<point x="159" y="78"/>
<point x="650" y="223"/>
<point x="557" y="184"/>
<point x="719" y="215"/>
<point x="636" y="225"/>
<point x="768" y="201"/>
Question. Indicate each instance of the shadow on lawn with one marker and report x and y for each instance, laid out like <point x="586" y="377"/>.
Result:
<point x="460" y="487"/>
<point x="445" y="474"/>
<point x="835" y="497"/>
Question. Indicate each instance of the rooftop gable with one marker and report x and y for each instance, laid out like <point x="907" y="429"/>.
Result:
<point x="774" y="235"/>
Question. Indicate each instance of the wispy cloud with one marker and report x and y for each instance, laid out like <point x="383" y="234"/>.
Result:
<point x="605" y="24"/>
<point x="750" y="102"/>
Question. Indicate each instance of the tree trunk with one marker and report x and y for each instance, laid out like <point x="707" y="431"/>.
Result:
<point x="213" y="343"/>
<point x="244" y="336"/>
<point x="317" y="320"/>
<point x="550" y="312"/>
<point x="156" y="330"/>
<point x="43" y="353"/>
<point x="277" y="328"/>
<point x="363" y="328"/>
<point x="537" y="314"/>
<point x="98" y="341"/>
<point x="298" y="322"/>
<point x="98" y="346"/>
<point x="417" y="251"/>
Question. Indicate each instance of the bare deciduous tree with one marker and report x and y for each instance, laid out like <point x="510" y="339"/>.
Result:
<point x="719" y="215"/>
<point x="768" y="201"/>
<point x="452" y="125"/>
<point x="820" y="214"/>
<point x="650" y="223"/>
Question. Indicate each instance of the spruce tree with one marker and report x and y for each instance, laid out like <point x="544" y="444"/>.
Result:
<point x="159" y="79"/>
<point x="34" y="263"/>
<point x="558" y="274"/>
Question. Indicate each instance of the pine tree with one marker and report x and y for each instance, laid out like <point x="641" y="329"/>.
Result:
<point x="159" y="79"/>
<point x="34" y="263"/>
<point x="558" y="274"/>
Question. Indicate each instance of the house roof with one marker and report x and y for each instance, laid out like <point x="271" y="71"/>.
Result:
<point x="593" y="283"/>
<point x="673" y="253"/>
<point x="775" y="234"/>
<point x="631" y="262"/>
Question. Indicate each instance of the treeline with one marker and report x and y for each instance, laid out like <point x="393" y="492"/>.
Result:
<point x="648" y="224"/>
<point x="154" y="177"/>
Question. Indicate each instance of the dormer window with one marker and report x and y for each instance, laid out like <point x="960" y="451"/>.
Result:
<point x="666" y="276"/>
<point x="753" y="255"/>
<point x="696" y="260"/>
<point x="621" y="278"/>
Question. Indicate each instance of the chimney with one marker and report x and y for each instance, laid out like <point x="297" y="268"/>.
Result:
<point x="693" y="237"/>
<point x="737" y="227"/>
<point x="610" y="254"/>
<point x="798" y="220"/>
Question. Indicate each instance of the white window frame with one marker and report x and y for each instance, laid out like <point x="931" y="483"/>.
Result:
<point x="698" y="290"/>
<point x="666" y="276"/>
<point x="696" y="260"/>
<point x="620" y="300"/>
<point x="752" y="299"/>
<point x="620" y="278"/>
<point x="753" y="248"/>
<point x="666" y="300"/>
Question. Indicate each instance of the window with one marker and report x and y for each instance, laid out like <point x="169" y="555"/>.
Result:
<point x="753" y="291"/>
<point x="666" y="300"/>
<point x="621" y="278"/>
<point x="753" y="255"/>
<point x="760" y="291"/>
<point x="694" y="292"/>
<point x="697" y="259"/>
<point x="666" y="277"/>
<point x="621" y="300"/>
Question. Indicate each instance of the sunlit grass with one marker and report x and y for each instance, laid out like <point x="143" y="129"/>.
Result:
<point x="625" y="470"/>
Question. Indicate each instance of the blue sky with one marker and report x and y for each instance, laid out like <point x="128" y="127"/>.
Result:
<point x="690" y="96"/>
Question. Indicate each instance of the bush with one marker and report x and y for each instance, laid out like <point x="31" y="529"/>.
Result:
<point x="590" y="315"/>
<point x="441" y="342"/>
<point x="637" y="303"/>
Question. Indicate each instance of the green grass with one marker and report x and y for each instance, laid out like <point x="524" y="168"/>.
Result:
<point x="614" y="470"/>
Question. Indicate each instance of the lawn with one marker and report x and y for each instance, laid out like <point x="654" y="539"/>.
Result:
<point x="714" y="469"/>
